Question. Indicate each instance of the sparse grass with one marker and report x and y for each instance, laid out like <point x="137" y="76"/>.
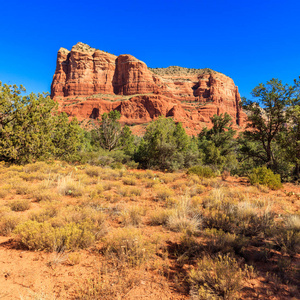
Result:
<point x="111" y="211"/>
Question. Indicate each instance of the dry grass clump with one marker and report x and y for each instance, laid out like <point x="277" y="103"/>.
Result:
<point x="130" y="180"/>
<point x="135" y="192"/>
<point x="149" y="182"/>
<point x="3" y="192"/>
<point x="160" y="216"/>
<point x="45" y="195"/>
<point x="37" y="166"/>
<point x="19" y="205"/>
<point x="68" y="186"/>
<point x="94" y="171"/>
<point x="219" y="241"/>
<point x="217" y="278"/>
<point x="180" y="184"/>
<point x="8" y="223"/>
<point x="33" y="176"/>
<point x="184" y="218"/>
<point x="23" y="188"/>
<point x="197" y="190"/>
<point x="128" y="245"/>
<point x="287" y="236"/>
<point x="110" y="174"/>
<point x="245" y="217"/>
<point x="163" y="192"/>
<point x="167" y="177"/>
<point x="108" y="286"/>
<point x="132" y="216"/>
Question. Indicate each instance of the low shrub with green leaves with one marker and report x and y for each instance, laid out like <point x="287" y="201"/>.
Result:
<point x="202" y="171"/>
<point x="265" y="176"/>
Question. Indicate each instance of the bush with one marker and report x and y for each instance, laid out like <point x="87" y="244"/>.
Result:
<point x="288" y="237"/>
<point x="264" y="176"/>
<point x="217" y="278"/>
<point x="202" y="171"/>
<point x="128" y="245"/>
<point x="8" y="223"/>
<point x="43" y="236"/>
<point x="19" y="205"/>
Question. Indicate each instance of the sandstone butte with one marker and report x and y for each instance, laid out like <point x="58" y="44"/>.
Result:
<point x="89" y="82"/>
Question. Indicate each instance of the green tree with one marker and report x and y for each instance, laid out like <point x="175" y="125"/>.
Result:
<point x="166" y="146"/>
<point x="266" y="119"/>
<point x="67" y="138"/>
<point x="218" y="143"/>
<point x="110" y="135"/>
<point x="31" y="127"/>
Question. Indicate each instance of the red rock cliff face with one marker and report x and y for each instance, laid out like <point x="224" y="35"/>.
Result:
<point x="88" y="82"/>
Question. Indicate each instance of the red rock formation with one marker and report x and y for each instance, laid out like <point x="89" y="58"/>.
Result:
<point x="88" y="82"/>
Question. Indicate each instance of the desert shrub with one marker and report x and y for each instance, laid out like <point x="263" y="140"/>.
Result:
<point x="149" y="183"/>
<point x="19" y="205"/>
<point x="124" y="191"/>
<point x="244" y="218"/>
<point x="287" y="237"/>
<point x="8" y="223"/>
<point x="129" y="180"/>
<point x="201" y="171"/>
<point x="183" y="223"/>
<point x="45" y="214"/>
<point x="196" y="190"/>
<point x="3" y="192"/>
<point x="167" y="177"/>
<point x="135" y="192"/>
<point x="219" y="241"/>
<point x="33" y="176"/>
<point x="160" y="216"/>
<point x="107" y="288"/>
<point x="217" y="278"/>
<point x="23" y="188"/>
<point x="128" y="245"/>
<point x="43" y="236"/>
<point x="37" y="166"/>
<point x="68" y="186"/>
<point x="184" y="218"/>
<point x="98" y="188"/>
<point x="163" y="192"/>
<point x="44" y="195"/>
<point x="132" y="216"/>
<point x="93" y="171"/>
<point x="265" y="176"/>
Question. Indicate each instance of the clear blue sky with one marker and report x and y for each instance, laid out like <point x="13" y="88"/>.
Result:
<point x="250" y="41"/>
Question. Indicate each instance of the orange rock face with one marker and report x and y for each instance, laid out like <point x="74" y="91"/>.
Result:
<point x="88" y="82"/>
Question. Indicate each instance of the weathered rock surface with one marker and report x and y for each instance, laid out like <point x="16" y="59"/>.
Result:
<point x="88" y="82"/>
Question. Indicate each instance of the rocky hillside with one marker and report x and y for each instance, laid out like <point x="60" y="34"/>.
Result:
<point x="88" y="82"/>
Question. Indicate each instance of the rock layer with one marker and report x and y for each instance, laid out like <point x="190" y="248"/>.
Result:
<point x="88" y="82"/>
